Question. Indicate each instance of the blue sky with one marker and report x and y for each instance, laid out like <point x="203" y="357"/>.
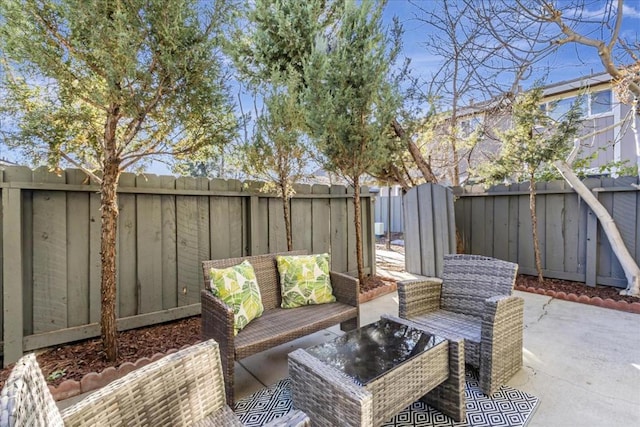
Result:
<point x="571" y="61"/>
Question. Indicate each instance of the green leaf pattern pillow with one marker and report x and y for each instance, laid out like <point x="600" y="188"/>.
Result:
<point x="238" y="287"/>
<point x="304" y="280"/>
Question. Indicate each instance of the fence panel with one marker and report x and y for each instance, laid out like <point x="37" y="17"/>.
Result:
<point x="50" y="246"/>
<point x="572" y="243"/>
<point x="429" y="228"/>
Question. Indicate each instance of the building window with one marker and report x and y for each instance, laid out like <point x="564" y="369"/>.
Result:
<point x="600" y="102"/>
<point x="592" y="104"/>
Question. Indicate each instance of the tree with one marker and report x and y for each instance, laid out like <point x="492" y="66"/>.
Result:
<point x="270" y="53"/>
<point x="278" y="154"/>
<point x="104" y="85"/>
<point x="534" y="140"/>
<point x="572" y="22"/>
<point x="350" y="100"/>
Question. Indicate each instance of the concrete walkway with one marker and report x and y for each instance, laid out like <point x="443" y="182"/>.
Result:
<point x="582" y="361"/>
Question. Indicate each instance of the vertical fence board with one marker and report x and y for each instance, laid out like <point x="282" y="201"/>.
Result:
<point x="624" y="215"/>
<point x="301" y="219"/>
<point x="426" y="231"/>
<point x="352" y="264"/>
<point x="277" y="228"/>
<point x="606" y="258"/>
<point x="149" y="246"/>
<point x="526" y="257"/>
<point x="12" y="280"/>
<point x="553" y="221"/>
<point x="238" y="237"/>
<point x="49" y="255"/>
<point x="204" y="243"/>
<point x="440" y="227"/>
<point x="339" y="220"/>
<point x="220" y="221"/>
<point x="514" y="235"/>
<point x="169" y="245"/>
<point x="501" y="238"/>
<point x="572" y="229"/>
<point x="451" y="223"/>
<point x="95" y="263"/>
<point x="541" y="208"/>
<point x="127" y="251"/>
<point x="368" y="240"/>
<point x="412" y="256"/>
<point x="321" y="221"/>
<point x="478" y="239"/>
<point x="77" y="251"/>
<point x="187" y="238"/>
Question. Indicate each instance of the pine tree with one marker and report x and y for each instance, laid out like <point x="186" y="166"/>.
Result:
<point x="350" y="99"/>
<point x="103" y="85"/>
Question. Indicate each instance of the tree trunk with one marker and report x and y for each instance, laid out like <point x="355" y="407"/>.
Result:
<point x="631" y="270"/>
<point x="534" y="226"/>
<point x="421" y="163"/>
<point x="109" y="226"/>
<point x="287" y="221"/>
<point x="109" y="206"/>
<point x="358" y="223"/>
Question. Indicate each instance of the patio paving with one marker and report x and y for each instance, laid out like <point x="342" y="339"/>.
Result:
<point x="582" y="361"/>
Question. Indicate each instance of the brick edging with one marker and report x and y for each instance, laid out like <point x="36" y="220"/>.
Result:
<point x="633" y="307"/>
<point x="377" y="292"/>
<point x="94" y="380"/>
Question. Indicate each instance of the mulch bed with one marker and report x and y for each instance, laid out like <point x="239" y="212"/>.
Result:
<point x="74" y="361"/>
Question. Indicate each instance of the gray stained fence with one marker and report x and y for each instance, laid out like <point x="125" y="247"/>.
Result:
<point x="50" y="246"/>
<point x="497" y="222"/>
<point x="429" y="228"/>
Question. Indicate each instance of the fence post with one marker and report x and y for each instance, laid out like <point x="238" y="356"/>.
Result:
<point x="12" y="278"/>
<point x="591" y="258"/>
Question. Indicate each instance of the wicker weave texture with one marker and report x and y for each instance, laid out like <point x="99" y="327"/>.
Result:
<point x="276" y="325"/>
<point x="182" y="389"/>
<point x="26" y="399"/>
<point x="476" y="292"/>
<point x="332" y="398"/>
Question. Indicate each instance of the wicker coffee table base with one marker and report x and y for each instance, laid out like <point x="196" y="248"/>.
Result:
<point x="330" y="397"/>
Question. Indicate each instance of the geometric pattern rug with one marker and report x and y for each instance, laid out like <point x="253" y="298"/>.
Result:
<point x="508" y="407"/>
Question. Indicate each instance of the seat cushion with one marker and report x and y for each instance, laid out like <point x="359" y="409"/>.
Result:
<point x="281" y="325"/>
<point x="237" y="287"/>
<point x="454" y="325"/>
<point x="304" y="279"/>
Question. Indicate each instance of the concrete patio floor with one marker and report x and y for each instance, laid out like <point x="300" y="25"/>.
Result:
<point x="581" y="361"/>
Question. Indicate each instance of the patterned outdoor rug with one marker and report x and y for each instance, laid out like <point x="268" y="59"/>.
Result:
<point x="508" y="407"/>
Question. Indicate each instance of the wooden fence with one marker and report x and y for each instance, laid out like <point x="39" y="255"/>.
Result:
<point x="50" y="246"/>
<point x="497" y="222"/>
<point x="429" y="228"/>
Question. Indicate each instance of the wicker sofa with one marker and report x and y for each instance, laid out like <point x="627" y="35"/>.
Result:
<point x="181" y="389"/>
<point x="474" y="300"/>
<point x="276" y="325"/>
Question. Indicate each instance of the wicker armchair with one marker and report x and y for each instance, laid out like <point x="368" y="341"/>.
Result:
<point x="183" y="388"/>
<point x="473" y="301"/>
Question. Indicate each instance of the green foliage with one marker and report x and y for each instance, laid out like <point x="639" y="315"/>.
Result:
<point x="279" y="37"/>
<point x="534" y="140"/>
<point x="278" y="153"/>
<point x="150" y="68"/>
<point x="350" y="100"/>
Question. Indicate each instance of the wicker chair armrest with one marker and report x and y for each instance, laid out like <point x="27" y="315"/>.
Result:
<point x="501" y="307"/>
<point x="345" y="288"/>
<point x="217" y="317"/>
<point x="177" y="389"/>
<point x="419" y="296"/>
<point x="294" y="418"/>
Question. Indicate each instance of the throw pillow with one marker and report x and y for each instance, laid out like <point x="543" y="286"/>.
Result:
<point x="238" y="288"/>
<point x="304" y="279"/>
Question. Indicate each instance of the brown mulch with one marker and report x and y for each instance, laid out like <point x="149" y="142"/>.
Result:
<point x="577" y="288"/>
<point x="73" y="361"/>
